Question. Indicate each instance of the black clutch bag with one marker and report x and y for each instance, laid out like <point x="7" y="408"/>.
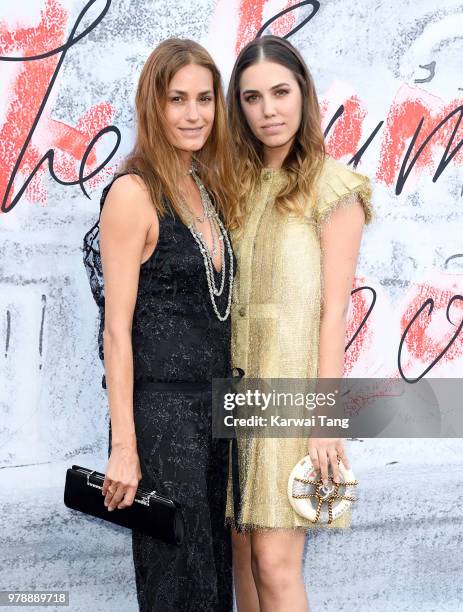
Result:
<point x="151" y="513"/>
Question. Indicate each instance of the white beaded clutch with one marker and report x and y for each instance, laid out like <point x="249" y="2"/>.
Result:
<point x="310" y="498"/>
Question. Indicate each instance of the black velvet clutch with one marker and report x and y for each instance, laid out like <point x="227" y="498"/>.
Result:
<point x="151" y="513"/>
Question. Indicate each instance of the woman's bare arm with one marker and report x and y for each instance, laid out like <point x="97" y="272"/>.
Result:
<point x="125" y="223"/>
<point x="340" y="239"/>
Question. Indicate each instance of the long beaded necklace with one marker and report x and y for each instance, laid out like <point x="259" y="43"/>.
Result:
<point x="216" y="227"/>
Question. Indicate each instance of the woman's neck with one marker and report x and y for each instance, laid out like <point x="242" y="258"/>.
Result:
<point x="186" y="159"/>
<point x="275" y="156"/>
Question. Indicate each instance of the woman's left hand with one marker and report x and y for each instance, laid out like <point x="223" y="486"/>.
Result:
<point x="323" y="451"/>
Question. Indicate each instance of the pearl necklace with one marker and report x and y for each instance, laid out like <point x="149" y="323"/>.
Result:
<point x="214" y="220"/>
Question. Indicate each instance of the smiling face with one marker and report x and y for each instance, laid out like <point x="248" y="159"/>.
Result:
<point x="272" y="104"/>
<point x="190" y="108"/>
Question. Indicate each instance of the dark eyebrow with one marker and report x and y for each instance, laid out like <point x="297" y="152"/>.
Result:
<point x="247" y="91"/>
<point x="184" y="93"/>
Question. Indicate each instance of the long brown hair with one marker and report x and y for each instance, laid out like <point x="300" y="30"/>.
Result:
<point x="305" y="159"/>
<point x="154" y="158"/>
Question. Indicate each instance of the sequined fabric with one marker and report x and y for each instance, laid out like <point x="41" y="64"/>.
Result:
<point x="177" y="339"/>
<point x="275" y="327"/>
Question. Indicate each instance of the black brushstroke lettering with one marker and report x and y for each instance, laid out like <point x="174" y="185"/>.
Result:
<point x="92" y="143"/>
<point x="71" y="41"/>
<point x="49" y="155"/>
<point x="445" y="160"/>
<point x="44" y="305"/>
<point x="333" y="120"/>
<point x="358" y="156"/>
<point x="314" y="3"/>
<point x="429" y="302"/>
<point x="365" y="318"/>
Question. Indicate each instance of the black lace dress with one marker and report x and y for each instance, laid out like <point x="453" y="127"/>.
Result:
<point x="179" y="345"/>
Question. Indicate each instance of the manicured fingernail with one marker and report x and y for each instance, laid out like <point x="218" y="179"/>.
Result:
<point x="325" y="481"/>
<point x="110" y="509"/>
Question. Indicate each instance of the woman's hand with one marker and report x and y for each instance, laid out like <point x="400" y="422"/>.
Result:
<point x="122" y="476"/>
<point x="323" y="451"/>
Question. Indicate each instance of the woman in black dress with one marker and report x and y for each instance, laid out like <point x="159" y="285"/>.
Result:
<point x="168" y="271"/>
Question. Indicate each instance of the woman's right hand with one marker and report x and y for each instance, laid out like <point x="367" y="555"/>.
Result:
<point x="122" y="476"/>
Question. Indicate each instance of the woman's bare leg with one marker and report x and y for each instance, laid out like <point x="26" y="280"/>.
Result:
<point x="245" y="588"/>
<point x="276" y="561"/>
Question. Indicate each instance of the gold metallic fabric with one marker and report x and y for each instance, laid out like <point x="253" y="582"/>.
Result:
<point x="275" y="326"/>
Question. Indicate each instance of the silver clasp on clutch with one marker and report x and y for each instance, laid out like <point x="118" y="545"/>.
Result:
<point x="145" y="500"/>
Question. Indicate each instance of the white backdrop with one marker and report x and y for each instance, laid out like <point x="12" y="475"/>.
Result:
<point x="380" y="68"/>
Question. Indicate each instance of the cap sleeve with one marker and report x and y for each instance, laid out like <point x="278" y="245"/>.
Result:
<point x="340" y="186"/>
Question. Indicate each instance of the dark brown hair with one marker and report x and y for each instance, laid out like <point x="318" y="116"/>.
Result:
<point x="305" y="159"/>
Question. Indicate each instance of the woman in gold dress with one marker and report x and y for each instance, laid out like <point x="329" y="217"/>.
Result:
<point x="297" y="242"/>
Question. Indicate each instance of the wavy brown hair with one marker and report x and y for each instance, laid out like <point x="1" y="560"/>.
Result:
<point x="154" y="158"/>
<point x="305" y="159"/>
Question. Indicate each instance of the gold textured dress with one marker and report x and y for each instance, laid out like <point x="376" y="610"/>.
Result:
<point x="275" y="328"/>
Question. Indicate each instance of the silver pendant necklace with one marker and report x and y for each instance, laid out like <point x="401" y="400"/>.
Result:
<point x="217" y="228"/>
